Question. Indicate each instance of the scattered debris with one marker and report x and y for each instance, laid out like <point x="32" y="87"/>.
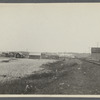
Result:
<point x="61" y="64"/>
<point x="61" y="84"/>
<point x="56" y="70"/>
<point x="54" y="77"/>
<point x="97" y="90"/>
<point x="68" y="85"/>
<point x="28" y="88"/>
<point x="79" y="68"/>
<point x="90" y="91"/>
<point x="84" y="73"/>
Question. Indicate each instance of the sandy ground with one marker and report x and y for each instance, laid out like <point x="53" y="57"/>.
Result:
<point x="18" y="68"/>
<point x="70" y="77"/>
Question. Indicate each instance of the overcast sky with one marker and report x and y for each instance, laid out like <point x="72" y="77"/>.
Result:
<point x="49" y="27"/>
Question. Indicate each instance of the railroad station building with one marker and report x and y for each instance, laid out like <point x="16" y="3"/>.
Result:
<point x="95" y="53"/>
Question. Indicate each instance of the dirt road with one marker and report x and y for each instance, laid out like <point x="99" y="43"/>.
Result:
<point x="78" y="77"/>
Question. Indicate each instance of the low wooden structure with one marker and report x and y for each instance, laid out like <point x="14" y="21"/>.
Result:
<point x="49" y="56"/>
<point x="34" y="55"/>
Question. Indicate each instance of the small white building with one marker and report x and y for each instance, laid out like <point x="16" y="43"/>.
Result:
<point x="34" y="55"/>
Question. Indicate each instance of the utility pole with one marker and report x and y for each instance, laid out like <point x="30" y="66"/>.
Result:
<point x="89" y="48"/>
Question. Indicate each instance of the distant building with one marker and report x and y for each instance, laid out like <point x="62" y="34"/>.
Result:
<point x="19" y="55"/>
<point x="95" y="53"/>
<point x="15" y="54"/>
<point x="5" y="54"/>
<point x="47" y="55"/>
<point x="81" y="55"/>
<point x="25" y="54"/>
<point x="66" y="55"/>
<point x="34" y="55"/>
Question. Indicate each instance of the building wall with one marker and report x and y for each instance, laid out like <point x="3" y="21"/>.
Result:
<point x="25" y="54"/>
<point x="49" y="56"/>
<point x="95" y="53"/>
<point x="34" y="56"/>
<point x="95" y="56"/>
<point x="18" y="55"/>
<point x="95" y="50"/>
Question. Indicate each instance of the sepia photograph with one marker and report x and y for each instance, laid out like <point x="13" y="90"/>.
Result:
<point x="50" y="49"/>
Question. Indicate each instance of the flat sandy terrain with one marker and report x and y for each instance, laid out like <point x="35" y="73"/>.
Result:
<point x="18" y="68"/>
<point x="69" y="77"/>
